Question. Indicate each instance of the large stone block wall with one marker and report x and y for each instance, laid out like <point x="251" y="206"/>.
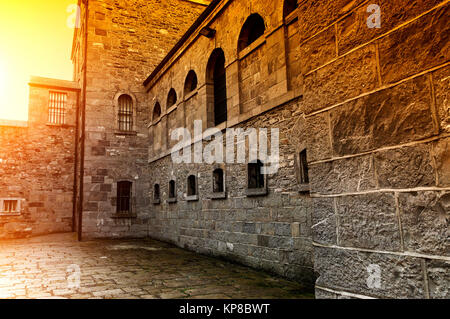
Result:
<point x="125" y="43"/>
<point x="373" y="114"/>
<point x="37" y="165"/>
<point x="270" y="232"/>
<point x="376" y="113"/>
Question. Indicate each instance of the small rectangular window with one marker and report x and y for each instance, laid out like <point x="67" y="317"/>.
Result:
<point x="57" y="108"/>
<point x="9" y="206"/>
<point x="124" y="197"/>
<point x="303" y="168"/>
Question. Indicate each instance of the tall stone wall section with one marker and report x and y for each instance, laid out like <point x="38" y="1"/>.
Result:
<point x="376" y="110"/>
<point x="269" y="232"/>
<point x="125" y="42"/>
<point x="37" y="165"/>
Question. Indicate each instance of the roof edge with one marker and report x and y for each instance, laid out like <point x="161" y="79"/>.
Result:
<point x="205" y="14"/>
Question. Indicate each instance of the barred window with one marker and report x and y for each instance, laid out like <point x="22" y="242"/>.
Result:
<point x="57" y="108"/>
<point x="124" y="197"/>
<point x="125" y="113"/>
<point x="218" y="186"/>
<point x="255" y="176"/>
<point x="192" y="186"/>
<point x="172" y="190"/>
<point x="9" y="206"/>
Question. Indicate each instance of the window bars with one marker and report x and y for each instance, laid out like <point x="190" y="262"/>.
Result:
<point x="125" y="113"/>
<point x="57" y="108"/>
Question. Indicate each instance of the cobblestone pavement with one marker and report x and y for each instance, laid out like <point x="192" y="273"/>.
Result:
<point x="46" y="267"/>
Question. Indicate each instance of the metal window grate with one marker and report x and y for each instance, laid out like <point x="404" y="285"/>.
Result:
<point x="9" y="206"/>
<point x="124" y="197"/>
<point x="57" y="108"/>
<point x="125" y="113"/>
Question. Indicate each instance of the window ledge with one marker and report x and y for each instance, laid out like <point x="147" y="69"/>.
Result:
<point x="125" y="133"/>
<point x="192" y="198"/>
<point x="156" y="202"/>
<point x="304" y="188"/>
<point x="5" y="214"/>
<point x="171" y="200"/>
<point x="250" y="192"/>
<point x="59" y="125"/>
<point x="222" y="195"/>
<point x="252" y="47"/>
<point x="129" y="215"/>
<point x="190" y="95"/>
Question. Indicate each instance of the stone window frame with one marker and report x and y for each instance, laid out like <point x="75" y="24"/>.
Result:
<point x="154" y="120"/>
<point x="133" y="212"/>
<point x="116" y="113"/>
<point x="210" y="87"/>
<point x="261" y="191"/>
<point x="195" y="197"/>
<point x="172" y="200"/>
<point x="157" y="201"/>
<point x="218" y="195"/>
<point x="303" y="187"/>
<point x="172" y="92"/>
<point x="64" y="108"/>
<point x="18" y="211"/>
<point x="187" y="94"/>
<point x="244" y="47"/>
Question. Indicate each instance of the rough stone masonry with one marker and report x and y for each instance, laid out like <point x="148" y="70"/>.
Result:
<point x="360" y="206"/>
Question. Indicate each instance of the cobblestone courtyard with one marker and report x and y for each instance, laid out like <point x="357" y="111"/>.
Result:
<point x="43" y="268"/>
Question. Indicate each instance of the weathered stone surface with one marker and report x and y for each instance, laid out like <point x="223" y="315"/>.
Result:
<point x="425" y="218"/>
<point x="313" y="134"/>
<point x="441" y="81"/>
<point x="430" y="33"/>
<point x="405" y="167"/>
<point x="401" y="277"/>
<point x="368" y="221"/>
<point x="441" y="155"/>
<point x="388" y="117"/>
<point x="324" y="294"/>
<point x="342" y="176"/>
<point x="438" y="279"/>
<point x="345" y="78"/>
<point x="324" y="221"/>
<point x="318" y="50"/>
<point x="314" y="16"/>
<point x="353" y="30"/>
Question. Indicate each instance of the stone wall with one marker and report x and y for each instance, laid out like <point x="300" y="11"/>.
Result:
<point x="376" y="111"/>
<point x="125" y="42"/>
<point x="270" y="232"/>
<point x="373" y="115"/>
<point x="37" y="165"/>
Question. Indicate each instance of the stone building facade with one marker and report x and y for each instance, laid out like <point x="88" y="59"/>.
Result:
<point x="37" y="163"/>
<point x="360" y="204"/>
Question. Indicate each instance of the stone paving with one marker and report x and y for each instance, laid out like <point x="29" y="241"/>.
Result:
<point x="46" y="267"/>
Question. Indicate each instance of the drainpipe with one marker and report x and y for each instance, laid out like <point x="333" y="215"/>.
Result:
<point x="83" y="123"/>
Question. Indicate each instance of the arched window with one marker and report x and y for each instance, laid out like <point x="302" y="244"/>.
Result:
<point x="218" y="181"/>
<point x="172" y="190"/>
<point x="216" y="76"/>
<point x="156" y="194"/>
<point x="289" y="7"/>
<point x="191" y="82"/>
<point x="125" y="113"/>
<point x="252" y="30"/>
<point x="192" y="185"/>
<point x="124" y="197"/>
<point x="171" y="98"/>
<point x="255" y="175"/>
<point x="156" y="112"/>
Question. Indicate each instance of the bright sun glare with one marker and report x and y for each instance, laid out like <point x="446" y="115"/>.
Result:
<point x="2" y="80"/>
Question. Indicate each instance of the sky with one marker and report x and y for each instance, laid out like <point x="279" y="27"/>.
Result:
<point x="35" y="39"/>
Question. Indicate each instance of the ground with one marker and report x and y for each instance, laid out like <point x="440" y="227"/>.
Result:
<point x="45" y="267"/>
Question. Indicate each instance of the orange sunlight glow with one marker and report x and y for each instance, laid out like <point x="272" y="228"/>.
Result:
<point x="34" y="40"/>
